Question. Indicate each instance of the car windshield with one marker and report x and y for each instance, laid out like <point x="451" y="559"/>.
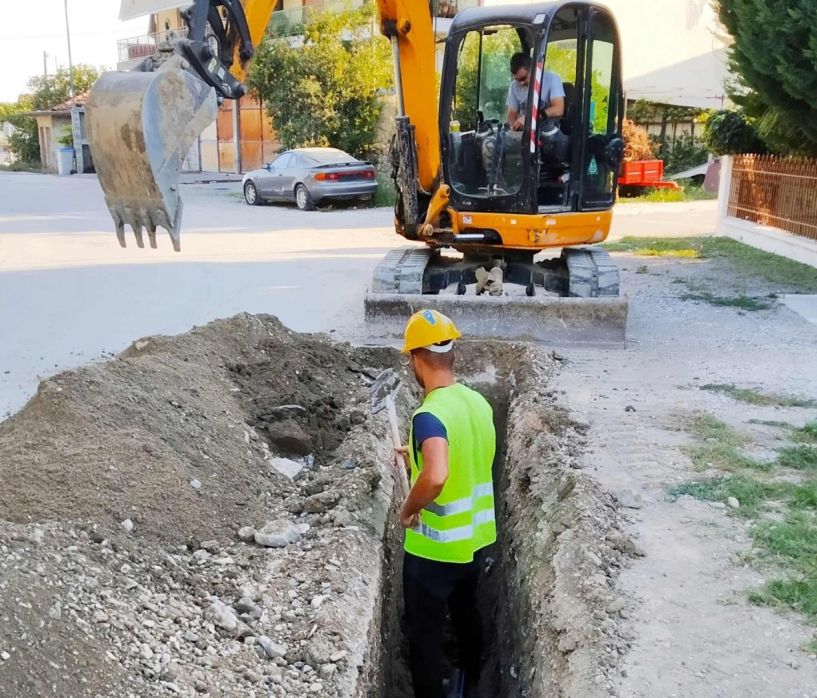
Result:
<point x="327" y="157"/>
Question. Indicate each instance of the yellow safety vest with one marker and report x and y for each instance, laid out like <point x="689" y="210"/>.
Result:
<point x="461" y="520"/>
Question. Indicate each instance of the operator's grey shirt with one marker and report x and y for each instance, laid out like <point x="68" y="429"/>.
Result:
<point x="518" y="94"/>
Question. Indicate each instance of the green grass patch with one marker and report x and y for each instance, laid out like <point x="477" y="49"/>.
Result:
<point x="807" y="434"/>
<point x="789" y="538"/>
<point x="662" y="247"/>
<point x="794" y="538"/>
<point x="793" y="544"/>
<point x="769" y="267"/>
<point x="707" y="427"/>
<point x="801" y="457"/>
<point x="723" y="457"/>
<point x="753" y="494"/>
<point x="755" y="397"/>
<point x="749" y="303"/>
<point x="750" y="492"/>
<point x="719" y="447"/>
<point x="652" y="195"/>
<point x="797" y="594"/>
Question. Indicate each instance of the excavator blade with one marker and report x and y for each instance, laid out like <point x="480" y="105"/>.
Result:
<point x="140" y="127"/>
<point x="574" y="301"/>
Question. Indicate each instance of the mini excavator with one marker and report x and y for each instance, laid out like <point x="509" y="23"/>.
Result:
<point x="479" y="198"/>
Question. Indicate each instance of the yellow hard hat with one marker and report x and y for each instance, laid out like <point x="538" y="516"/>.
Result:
<point x="429" y="327"/>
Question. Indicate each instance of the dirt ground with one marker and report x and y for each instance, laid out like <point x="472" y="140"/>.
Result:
<point x="126" y="486"/>
<point x="693" y="631"/>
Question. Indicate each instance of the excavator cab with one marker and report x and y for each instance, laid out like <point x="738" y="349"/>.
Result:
<point x="565" y="164"/>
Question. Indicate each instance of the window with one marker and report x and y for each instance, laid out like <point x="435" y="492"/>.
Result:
<point x="283" y="162"/>
<point x="486" y="155"/>
<point x="603" y="91"/>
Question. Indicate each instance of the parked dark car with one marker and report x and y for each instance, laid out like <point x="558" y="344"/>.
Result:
<point x="309" y="176"/>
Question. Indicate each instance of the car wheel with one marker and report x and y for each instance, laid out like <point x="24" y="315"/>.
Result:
<point x="366" y="199"/>
<point x="302" y="198"/>
<point x="251" y="194"/>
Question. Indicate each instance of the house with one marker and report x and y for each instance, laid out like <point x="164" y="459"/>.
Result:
<point x="62" y="122"/>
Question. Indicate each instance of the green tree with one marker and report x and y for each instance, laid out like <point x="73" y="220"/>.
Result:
<point x="24" y="143"/>
<point x="326" y="90"/>
<point x="49" y="90"/>
<point x="774" y="54"/>
<point x="44" y="92"/>
<point x="730" y="132"/>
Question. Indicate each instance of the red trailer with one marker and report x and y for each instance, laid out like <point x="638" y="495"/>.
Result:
<point x="645" y="173"/>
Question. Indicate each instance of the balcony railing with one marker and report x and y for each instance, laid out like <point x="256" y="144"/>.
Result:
<point x="290" y="22"/>
<point x="138" y="47"/>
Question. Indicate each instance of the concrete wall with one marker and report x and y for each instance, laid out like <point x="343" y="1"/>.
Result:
<point x="673" y="50"/>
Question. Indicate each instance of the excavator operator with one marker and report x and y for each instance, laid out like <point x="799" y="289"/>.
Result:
<point x="449" y="512"/>
<point x="552" y="95"/>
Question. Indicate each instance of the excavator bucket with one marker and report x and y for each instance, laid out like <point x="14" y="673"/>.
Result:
<point x="140" y="127"/>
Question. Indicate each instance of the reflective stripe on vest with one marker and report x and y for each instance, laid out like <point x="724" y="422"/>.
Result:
<point x="460" y="505"/>
<point x="461" y="520"/>
<point x="455" y="534"/>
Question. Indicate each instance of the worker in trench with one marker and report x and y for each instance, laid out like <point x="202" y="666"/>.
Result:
<point x="449" y="511"/>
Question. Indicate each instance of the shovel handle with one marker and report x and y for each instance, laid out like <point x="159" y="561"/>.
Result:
<point x="400" y="462"/>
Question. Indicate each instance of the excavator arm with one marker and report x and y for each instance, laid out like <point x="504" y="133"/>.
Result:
<point x="141" y="123"/>
<point x="408" y="25"/>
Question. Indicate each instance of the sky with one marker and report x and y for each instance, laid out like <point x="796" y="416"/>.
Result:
<point x="33" y="26"/>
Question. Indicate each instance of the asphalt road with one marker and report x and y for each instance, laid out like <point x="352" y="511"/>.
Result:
<point x="69" y="294"/>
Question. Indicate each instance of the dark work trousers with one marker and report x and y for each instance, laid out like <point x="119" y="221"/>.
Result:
<point x="430" y="589"/>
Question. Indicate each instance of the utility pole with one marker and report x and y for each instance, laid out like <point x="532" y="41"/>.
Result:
<point x="45" y="64"/>
<point x="70" y="88"/>
<point x="70" y="64"/>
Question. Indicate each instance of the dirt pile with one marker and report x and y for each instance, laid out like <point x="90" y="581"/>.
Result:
<point x="167" y="435"/>
<point x="141" y="497"/>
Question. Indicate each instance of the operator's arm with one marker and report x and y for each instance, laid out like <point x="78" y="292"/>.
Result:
<point x="430" y="481"/>
<point x="556" y="110"/>
<point x="514" y="117"/>
<point x="556" y="95"/>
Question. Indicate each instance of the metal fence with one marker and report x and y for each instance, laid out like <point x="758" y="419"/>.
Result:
<point x="779" y="192"/>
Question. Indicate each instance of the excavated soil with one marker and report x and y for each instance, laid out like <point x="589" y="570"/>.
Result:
<point x="132" y="560"/>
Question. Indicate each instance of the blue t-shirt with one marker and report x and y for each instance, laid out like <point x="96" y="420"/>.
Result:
<point x="425" y="426"/>
<point x="518" y="95"/>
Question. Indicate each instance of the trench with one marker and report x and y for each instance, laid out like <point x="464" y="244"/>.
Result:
<point x="219" y="406"/>
<point x="504" y="612"/>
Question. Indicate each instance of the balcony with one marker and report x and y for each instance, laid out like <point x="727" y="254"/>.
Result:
<point x="290" y="22"/>
<point x="137" y="48"/>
